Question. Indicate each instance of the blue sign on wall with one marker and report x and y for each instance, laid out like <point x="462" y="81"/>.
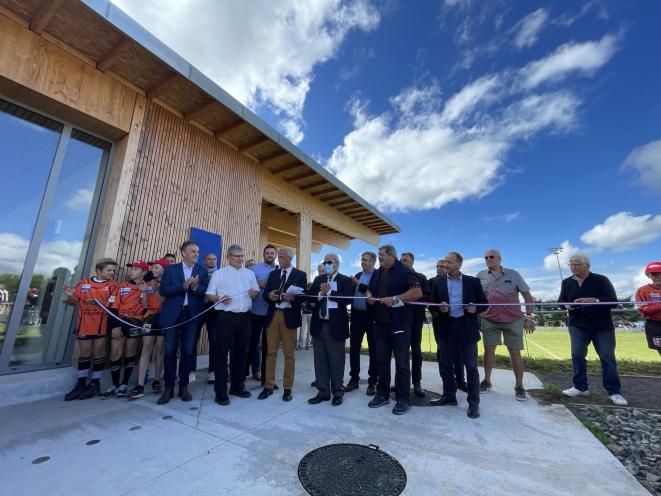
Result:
<point x="209" y="243"/>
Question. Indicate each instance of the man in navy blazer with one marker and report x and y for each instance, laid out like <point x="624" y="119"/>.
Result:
<point x="183" y="286"/>
<point x="459" y="329"/>
<point x="283" y="317"/>
<point x="329" y="328"/>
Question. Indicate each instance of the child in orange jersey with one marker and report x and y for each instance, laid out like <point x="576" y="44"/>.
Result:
<point x="152" y="340"/>
<point x="91" y="325"/>
<point x="131" y="308"/>
<point x="652" y="311"/>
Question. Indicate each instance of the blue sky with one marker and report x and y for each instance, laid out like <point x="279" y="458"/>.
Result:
<point x="473" y="125"/>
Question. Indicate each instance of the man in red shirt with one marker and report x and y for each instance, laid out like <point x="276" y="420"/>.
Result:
<point x="652" y="310"/>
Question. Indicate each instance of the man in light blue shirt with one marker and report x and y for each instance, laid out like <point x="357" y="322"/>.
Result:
<point x="456" y="295"/>
<point x="258" y="316"/>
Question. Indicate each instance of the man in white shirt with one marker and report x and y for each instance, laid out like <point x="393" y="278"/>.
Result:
<point x="232" y="289"/>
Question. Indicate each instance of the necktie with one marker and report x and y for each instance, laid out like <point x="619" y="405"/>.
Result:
<point x="283" y="279"/>
<point x="324" y="302"/>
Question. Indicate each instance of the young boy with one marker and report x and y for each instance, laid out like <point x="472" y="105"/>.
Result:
<point x="91" y="325"/>
<point x="130" y="308"/>
<point x="652" y="311"/>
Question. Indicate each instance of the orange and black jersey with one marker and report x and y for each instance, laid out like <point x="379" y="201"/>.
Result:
<point x="127" y="301"/>
<point x="92" y="320"/>
<point x="651" y="310"/>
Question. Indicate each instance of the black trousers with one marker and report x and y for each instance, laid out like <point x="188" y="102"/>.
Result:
<point x="416" y="348"/>
<point x="232" y="338"/>
<point x="458" y="359"/>
<point x="360" y="325"/>
<point x="257" y="334"/>
<point x="329" y="360"/>
<point x="468" y="350"/>
<point x="387" y="343"/>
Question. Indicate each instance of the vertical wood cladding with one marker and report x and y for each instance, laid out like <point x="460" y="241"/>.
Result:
<point x="186" y="178"/>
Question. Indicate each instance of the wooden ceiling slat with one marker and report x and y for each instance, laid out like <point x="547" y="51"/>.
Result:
<point x="343" y="201"/>
<point x="287" y="167"/>
<point x="254" y="144"/>
<point x="201" y="108"/>
<point x="303" y="175"/>
<point x="107" y="60"/>
<point x="272" y="158"/>
<point x="345" y="208"/>
<point x="312" y="185"/>
<point x="43" y="16"/>
<point x="219" y="133"/>
<point x="331" y="195"/>
<point x="161" y="86"/>
<point x="328" y="189"/>
<point x="362" y="216"/>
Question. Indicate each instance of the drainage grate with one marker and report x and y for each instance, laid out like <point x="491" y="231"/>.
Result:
<point x="351" y="470"/>
<point x="417" y="401"/>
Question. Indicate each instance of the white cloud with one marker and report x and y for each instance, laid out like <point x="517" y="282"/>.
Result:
<point x="567" y="251"/>
<point x="52" y="254"/>
<point x="509" y="217"/>
<point x="645" y="161"/>
<point x="623" y="231"/>
<point x="569" y="58"/>
<point x="80" y="200"/>
<point x="529" y="28"/>
<point x="263" y="53"/>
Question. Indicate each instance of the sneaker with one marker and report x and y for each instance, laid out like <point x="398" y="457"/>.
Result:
<point x="378" y="401"/>
<point x="75" y="392"/>
<point x="122" y="391"/>
<point x="618" y="399"/>
<point x="109" y="393"/>
<point x="137" y="392"/>
<point x="156" y="386"/>
<point x="90" y="391"/>
<point x="212" y="378"/>
<point x="485" y="386"/>
<point x="191" y="377"/>
<point x="572" y="392"/>
<point x="520" y="393"/>
<point x="401" y="407"/>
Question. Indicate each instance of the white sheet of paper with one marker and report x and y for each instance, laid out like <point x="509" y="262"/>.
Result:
<point x="294" y="290"/>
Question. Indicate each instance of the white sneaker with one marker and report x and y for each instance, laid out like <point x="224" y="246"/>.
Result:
<point x="212" y="378"/>
<point x="572" y="392"/>
<point x="191" y="377"/>
<point x="618" y="400"/>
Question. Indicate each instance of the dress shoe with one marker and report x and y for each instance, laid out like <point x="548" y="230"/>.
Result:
<point x="401" y="407"/>
<point x="286" y="395"/>
<point x="266" y="392"/>
<point x="168" y="394"/>
<point x="473" y="412"/>
<point x="275" y="387"/>
<point x="222" y="400"/>
<point x="313" y="384"/>
<point x="378" y="401"/>
<point x="184" y="394"/>
<point x="462" y="386"/>
<point x="337" y="401"/>
<point x="317" y="399"/>
<point x="444" y="401"/>
<point x="371" y="390"/>
<point x="417" y="389"/>
<point x="242" y="393"/>
<point x="351" y="386"/>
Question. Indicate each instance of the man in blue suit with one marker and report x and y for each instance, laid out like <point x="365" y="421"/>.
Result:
<point x="183" y="286"/>
<point x="458" y="330"/>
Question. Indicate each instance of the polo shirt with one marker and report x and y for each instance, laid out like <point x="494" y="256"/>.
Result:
<point x="504" y="288"/>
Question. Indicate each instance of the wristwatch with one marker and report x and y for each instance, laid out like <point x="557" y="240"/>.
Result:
<point x="395" y="300"/>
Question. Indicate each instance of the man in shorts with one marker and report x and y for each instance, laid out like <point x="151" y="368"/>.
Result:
<point x="503" y="286"/>
<point x="652" y="311"/>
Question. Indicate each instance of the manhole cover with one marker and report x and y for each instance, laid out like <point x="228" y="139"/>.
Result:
<point x="351" y="469"/>
<point x="417" y="400"/>
<point x="41" y="459"/>
<point x="92" y="442"/>
<point x="195" y="408"/>
<point x="135" y="428"/>
<point x="167" y="417"/>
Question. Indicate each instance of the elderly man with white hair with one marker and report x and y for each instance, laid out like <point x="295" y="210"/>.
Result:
<point x="330" y="329"/>
<point x="590" y="324"/>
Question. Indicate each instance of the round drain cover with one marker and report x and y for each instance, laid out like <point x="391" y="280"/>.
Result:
<point x="351" y="470"/>
<point x="417" y="400"/>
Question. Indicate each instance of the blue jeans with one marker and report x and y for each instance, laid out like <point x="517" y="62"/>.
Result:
<point x="184" y="338"/>
<point x="604" y="345"/>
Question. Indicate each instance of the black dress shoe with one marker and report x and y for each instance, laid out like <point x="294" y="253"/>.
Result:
<point x="443" y="401"/>
<point x="371" y="390"/>
<point x="222" y="400"/>
<point x="313" y="384"/>
<point x="241" y="393"/>
<point x="351" y="386"/>
<point x="337" y="401"/>
<point x="473" y="412"/>
<point x="275" y="387"/>
<point x="286" y="395"/>
<point x="168" y="394"/>
<point x="266" y="392"/>
<point x="462" y="386"/>
<point x="185" y="395"/>
<point x="417" y="389"/>
<point x="317" y="399"/>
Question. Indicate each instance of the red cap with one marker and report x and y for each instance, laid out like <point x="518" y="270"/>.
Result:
<point x="139" y="264"/>
<point x="653" y="267"/>
<point x="163" y="262"/>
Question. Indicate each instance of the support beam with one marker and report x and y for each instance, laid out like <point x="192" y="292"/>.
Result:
<point x="304" y="242"/>
<point x="362" y="217"/>
<point x="331" y="195"/>
<point x="343" y="201"/>
<point x="286" y="223"/>
<point x="287" y="240"/>
<point x="43" y="16"/>
<point x="287" y="167"/>
<point x="327" y="189"/>
<point x="254" y="144"/>
<point x="200" y="109"/>
<point x="158" y="89"/>
<point x="109" y="58"/>
<point x="354" y="210"/>
<point x="303" y="175"/>
<point x="272" y="158"/>
<point x="223" y="131"/>
<point x="314" y="184"/>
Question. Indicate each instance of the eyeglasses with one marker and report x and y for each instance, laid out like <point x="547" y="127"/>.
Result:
<point x="576" y="264"/>
<point x="489" y="257"/>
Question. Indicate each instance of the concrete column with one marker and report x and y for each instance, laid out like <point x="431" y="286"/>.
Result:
<point x="304" y="242"/>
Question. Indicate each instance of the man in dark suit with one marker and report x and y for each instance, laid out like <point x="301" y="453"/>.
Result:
<point x="283" y="317"/>
<point x="329" y="328"/>
<point x="419" y="316"/>
<point x="459" y="329"/>
<point x="183" y="286"/>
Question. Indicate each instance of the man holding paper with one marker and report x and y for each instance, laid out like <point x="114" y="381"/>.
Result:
<point x="329" y="328"/>
<point x="283" y="294"/>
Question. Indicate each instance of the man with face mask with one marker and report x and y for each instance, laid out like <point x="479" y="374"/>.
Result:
<point x="330" y="329"/>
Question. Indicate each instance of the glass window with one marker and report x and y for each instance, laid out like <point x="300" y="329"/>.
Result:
<point x="28" y="143"/>
<point x="43" y="332"/>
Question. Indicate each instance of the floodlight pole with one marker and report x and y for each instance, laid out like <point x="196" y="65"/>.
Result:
<point x="556" y="251"/>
